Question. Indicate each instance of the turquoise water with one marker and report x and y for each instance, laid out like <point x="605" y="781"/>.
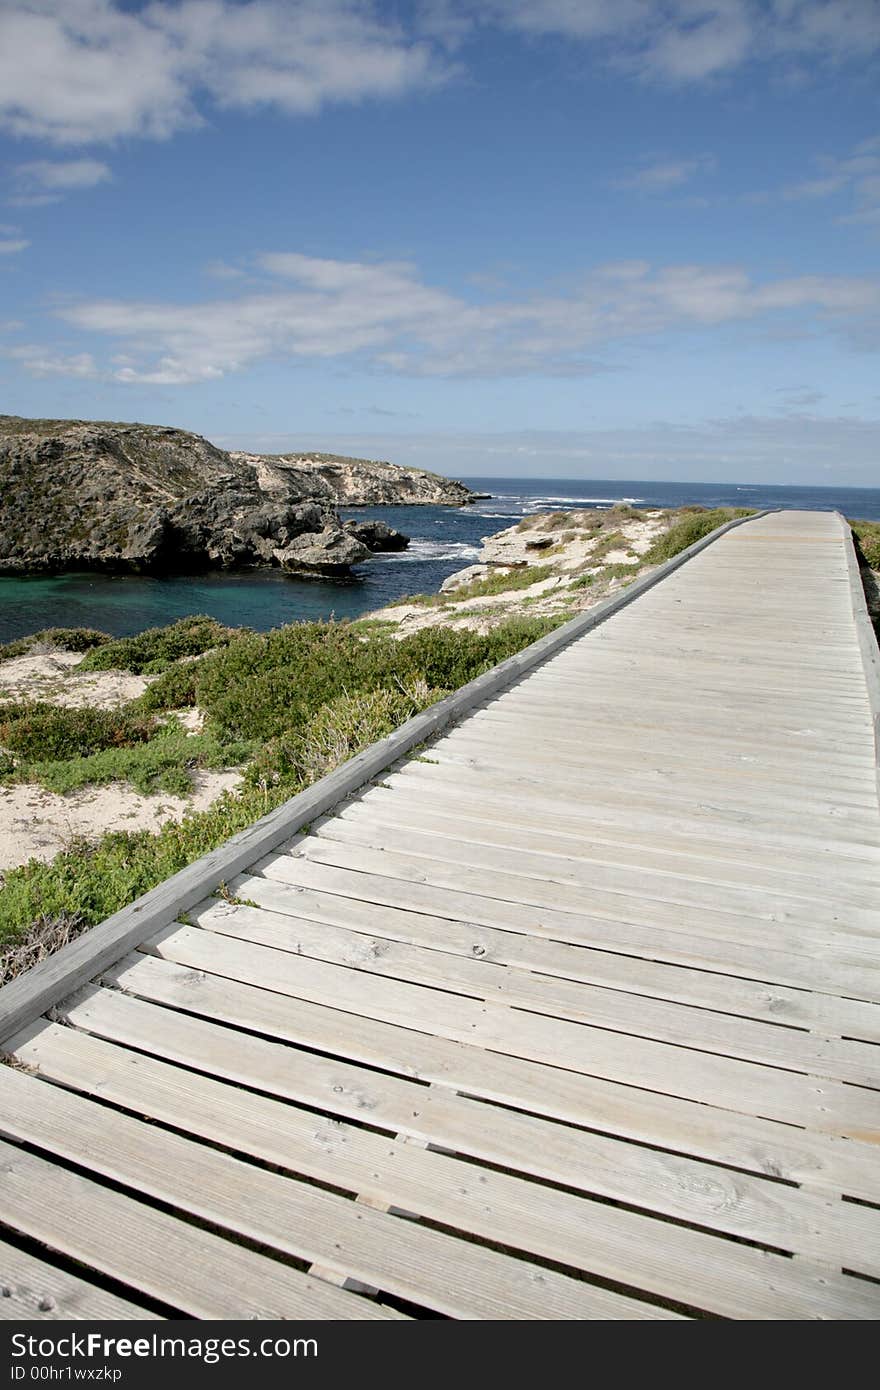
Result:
<point x="444" y="540"/>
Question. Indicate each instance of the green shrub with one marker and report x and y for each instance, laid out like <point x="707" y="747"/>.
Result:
<point x="312" y="695"/>
<point x="555" y="521"/>
<point x="338" y="731"/>
<point x="692" y="527"/>
<point x="101" y="878"/>
<point x="52" y="732"/>
<point x="175" y="688"/>
<point x="160" y="765"/>
<point x="158" y="647"/>
<point x="482" y="588"/>
<point x="266" y="683"/>
<point x="450" y="657"/>
<point x="59" y="639"/>
<point x="867" y="534"/>
<point x="612" y="540"/>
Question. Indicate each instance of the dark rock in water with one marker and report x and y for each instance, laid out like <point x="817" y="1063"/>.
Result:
<point x="376" y="536"/>
<point x="329" y="554"/>
<point x="79" y="495"/>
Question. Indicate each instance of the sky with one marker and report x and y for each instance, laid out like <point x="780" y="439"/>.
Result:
<point x="548" y="238"/>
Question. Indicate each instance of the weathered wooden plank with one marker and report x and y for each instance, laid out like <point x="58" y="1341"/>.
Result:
<point x="681" y="1071"/>
<point x="667" y="860"/>
<point x="843" y="816"/>
<point x="360" y="826"/>
<point x="649" y="843"/>
<point x="756" y="768"/>
<point x="477" y="978"/>
<point x="833" y="962"/>
<point x="188" y="1269"/>
<point x="715" y="911"/>
<point x="757" y="1145"/>
<point x="710" y="818"/>
<point x="33" y="1290"/>
<point x="748" y="1206"/>
<point x="661" y="1258"/>
<point x="836" y="1017"/>
<point x="451" y="1276"/>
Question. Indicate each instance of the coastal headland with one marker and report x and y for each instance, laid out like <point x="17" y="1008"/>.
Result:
<point x="150" y="499"/>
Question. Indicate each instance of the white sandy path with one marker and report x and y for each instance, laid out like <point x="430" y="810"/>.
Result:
<point x="38" y="824"/>
<point x="53" y="677"/>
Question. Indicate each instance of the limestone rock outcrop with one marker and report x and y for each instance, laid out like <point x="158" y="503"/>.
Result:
<point x="82" y="495"/>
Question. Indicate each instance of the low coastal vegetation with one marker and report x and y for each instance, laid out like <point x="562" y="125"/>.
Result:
<point x="689" y="529"/>
<point x="155" y="649"/>
<point x="54" y="639"/>
<point x="500" y="583"/>
<point x="287" y="706"/>
<point x="867" y="534"/>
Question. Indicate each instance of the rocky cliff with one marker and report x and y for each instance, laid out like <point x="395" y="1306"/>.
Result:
<point x="127" y="497"/>
<point x="350" y="482"/>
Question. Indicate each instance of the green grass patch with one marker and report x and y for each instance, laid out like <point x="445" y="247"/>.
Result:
<point x="867" y="534"/>
<point x="52" y="732"/>
<point x="162" y="765"/>
<point x="55" y="639"/>
<point x="611" y="540"/>
<point x="501" y="583"/>
<point x="370" y="626"/>
<point x="156" y="649"/>
<point x="621" y="571"/>
<point x="693" y="526"/>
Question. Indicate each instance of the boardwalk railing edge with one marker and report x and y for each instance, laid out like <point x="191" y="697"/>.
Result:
<point x="867" y="639"/>
<point x="44" y="984"/>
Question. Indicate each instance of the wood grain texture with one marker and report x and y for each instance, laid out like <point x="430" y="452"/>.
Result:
<point x="576" y="1015"/>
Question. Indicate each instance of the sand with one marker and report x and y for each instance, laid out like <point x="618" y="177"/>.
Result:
<point x="38" y="824"/>
<point x="53" y="677"/>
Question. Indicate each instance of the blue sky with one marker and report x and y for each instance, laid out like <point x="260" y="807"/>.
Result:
<point x="563" y="238"/>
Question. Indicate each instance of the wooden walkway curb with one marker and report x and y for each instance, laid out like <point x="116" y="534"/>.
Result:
<point x="575" y="1015"/>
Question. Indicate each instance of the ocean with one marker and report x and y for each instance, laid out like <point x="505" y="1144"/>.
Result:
<point x="444" y="539"/>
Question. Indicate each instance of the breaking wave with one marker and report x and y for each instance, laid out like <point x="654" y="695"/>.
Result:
<point x="423" y="550"/>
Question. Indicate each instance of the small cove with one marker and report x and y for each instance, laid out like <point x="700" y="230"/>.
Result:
<point x="444" y="539"/>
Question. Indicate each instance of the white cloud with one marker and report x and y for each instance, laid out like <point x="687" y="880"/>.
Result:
<point x="385" y="316"/>
<point x="855" y="175"/>
<point x="41" y="361"/>
<point x="78" y="71"/>
<point x="10" y="246"/>
<point x="62" y="175"/>
<point x="81" y="71"/>
<point x="662" y="175"/>
<point x="692" y="40"/>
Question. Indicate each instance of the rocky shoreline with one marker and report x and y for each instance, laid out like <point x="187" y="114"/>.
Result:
<point x="549" y="565"/>
<point x="147" y="499"/>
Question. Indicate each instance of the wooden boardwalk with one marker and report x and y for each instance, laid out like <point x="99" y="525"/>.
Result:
<point x="574" y="1015"/>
